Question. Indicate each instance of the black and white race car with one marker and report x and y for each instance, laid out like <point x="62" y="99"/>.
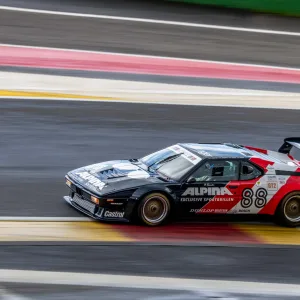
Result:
<point x="188" y="180"/>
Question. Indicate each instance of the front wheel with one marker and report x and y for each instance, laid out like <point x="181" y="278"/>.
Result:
<point x="288" y="213"/>
<point x="154" y="209"/>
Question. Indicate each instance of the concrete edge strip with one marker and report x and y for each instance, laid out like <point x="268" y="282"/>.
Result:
<point x="147" y="282"/>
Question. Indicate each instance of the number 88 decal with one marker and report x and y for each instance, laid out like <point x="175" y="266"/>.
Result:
<point x="259" y="201"/>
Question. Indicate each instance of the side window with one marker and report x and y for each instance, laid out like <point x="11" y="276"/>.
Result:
<point x="295" y="152"/>
<point x="217" y="170"/>
<point x="248" y="171"/>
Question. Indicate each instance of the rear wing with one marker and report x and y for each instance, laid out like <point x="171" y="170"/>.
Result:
<point x="288" y="144"/>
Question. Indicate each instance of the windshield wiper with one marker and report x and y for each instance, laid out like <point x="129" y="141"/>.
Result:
<point x="165" y="160"/>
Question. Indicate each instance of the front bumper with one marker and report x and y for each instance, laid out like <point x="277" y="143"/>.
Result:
<point x="94" y="211"/>
<point x="80" y="199"/>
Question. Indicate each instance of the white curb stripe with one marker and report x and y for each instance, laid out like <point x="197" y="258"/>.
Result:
<point x="145" y="282"/>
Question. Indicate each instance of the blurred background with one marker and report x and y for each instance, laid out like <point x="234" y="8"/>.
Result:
<point x="89" y="81"/>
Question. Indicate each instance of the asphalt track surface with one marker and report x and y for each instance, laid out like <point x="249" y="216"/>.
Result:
<point x="50" y="292"/>
<point x="164" y="10"/>
<point x="151" y="39"/>
<point x="272" y="265"/>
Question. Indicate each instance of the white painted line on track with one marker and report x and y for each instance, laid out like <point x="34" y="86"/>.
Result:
<point x="151" y="56"/>
<point x="46" y="219"/>
<point x="142" y="20"/>
<point x="146" y="282"/>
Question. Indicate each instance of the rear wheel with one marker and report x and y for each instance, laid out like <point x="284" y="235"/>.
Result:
<point x="154" y="209"/>
<point x="288" y="213"/>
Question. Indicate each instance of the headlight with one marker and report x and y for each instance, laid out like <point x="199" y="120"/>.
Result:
<point x="95" y="200"/>
<point x="68" y="183"/>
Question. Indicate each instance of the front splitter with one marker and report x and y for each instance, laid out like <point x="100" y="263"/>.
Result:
<point x="98" y="217"/>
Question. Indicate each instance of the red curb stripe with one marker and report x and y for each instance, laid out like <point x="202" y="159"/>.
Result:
<point x="80" y="60"/>
<point x="187" y="233"/>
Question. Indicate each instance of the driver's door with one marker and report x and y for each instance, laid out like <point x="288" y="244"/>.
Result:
<point x="212" y="188"/>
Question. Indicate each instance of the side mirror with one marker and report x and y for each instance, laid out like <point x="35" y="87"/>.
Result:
<point x="191" y="180"/>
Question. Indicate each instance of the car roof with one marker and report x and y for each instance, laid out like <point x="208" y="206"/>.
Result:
<point x="218" y="150"/>
<point x="229" y="151"/>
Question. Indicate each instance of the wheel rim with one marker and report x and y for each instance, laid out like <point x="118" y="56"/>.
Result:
<point x="155" y="209"/>
<point x="292" y="209"/>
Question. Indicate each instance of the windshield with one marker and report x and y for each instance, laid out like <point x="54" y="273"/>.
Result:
<point x="174" y="168"/>
<point x="153" y="158"/>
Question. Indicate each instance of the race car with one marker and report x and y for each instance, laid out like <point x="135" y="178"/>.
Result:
<point x="188" y="180"/>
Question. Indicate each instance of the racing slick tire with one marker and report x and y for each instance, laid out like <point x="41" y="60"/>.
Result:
<point x="154" y="209"/>
<point x="288" y="211"/>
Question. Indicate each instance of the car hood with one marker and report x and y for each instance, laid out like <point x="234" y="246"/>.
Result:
<point x="112" y="176"/>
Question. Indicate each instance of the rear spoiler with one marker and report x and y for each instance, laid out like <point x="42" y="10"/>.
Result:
<point x="288" y="144"/>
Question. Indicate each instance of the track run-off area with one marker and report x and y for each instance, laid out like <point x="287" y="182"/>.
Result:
<point x="87" y="83"/>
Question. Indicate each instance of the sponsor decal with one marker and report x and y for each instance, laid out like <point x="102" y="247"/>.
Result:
<point x="91" y="179"/>
<point x="215" y="199"/>
<point x="240" y="211"/>
<point x="272" y="178"/>
<point x="209" y="191"/>
<point x="282" y="180"/>
<point x="209" y="210"/>
<point x="271" y="169"/>
<point x="259" y="199"/>
<point x="176" y="148"/>
<point x="97" y="167"/>
<point x="138" y="174"/>
<point x="187" y="154"/>
<point x="114" y="214"/>
<point x="204" y="153"/>
<point x="243" y="211"/>
<point x="272" y="186"/>
<point x="125" y="167"/>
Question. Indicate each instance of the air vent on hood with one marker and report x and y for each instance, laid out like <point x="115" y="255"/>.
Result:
<point x="110" y="173"/>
